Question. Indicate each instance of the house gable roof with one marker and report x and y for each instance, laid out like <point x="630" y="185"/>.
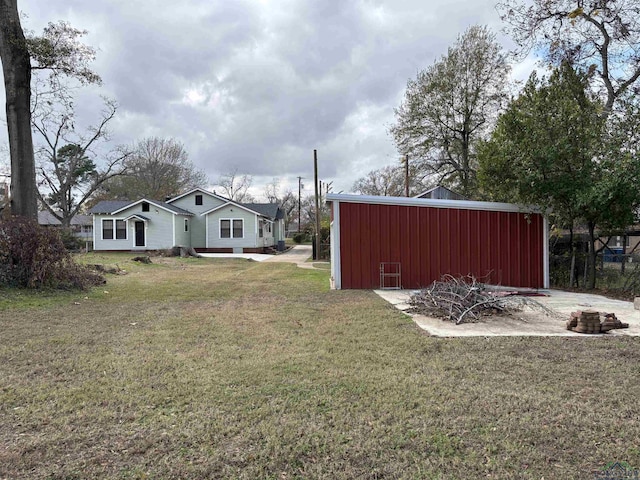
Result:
<point x="200" y="190"/>
<point x="138" y="216"/>
<point x="165" y="206"/>
<point x="230" y="204"/>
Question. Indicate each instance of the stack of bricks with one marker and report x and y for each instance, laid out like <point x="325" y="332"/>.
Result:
<point x="610" y="322"/>
<point x="587" y="321"/>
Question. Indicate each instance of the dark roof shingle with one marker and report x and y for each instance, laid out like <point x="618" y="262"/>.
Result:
<point x="270" y="210"/>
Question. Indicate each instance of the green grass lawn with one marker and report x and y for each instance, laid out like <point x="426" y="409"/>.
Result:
<point x="210" y="368"/>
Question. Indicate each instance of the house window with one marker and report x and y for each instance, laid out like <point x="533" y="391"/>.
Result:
<point x="237" y="229"/>
<point x="145" y="206"/>
<point x="186" y="224"/>
<point x="231" y="228"/>
<point x="268" y="227"/>
<point x="107" y="229"/>
<point x="260" y="229"/>
<point x="198" y="199"/>
<point x="121" y="230"/>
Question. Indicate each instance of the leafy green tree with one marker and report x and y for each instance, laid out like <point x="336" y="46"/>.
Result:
<point x="603" y="35"/>
<point x="552" y="147"/>
<point x="452" y="104"/>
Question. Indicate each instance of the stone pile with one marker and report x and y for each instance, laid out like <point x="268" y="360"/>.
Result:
<point x="589" y="321"/>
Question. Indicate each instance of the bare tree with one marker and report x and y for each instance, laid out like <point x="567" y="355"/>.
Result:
<point x="67" y="174"/>
<point x="603" y="35"/>
<point x="158" y="168"/>
<point x="452" y="104"/>
<point x="287" y="201"/>
<point x="390" y="181"/>
<point x="236" y="186"/>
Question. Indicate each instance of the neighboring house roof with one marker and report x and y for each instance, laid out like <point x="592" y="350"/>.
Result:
<point x="116" y="206"/>
<point x="45" y="217"/>
<point x="271" y="210"/>
<point x="442" y="193"/>
<point x="200" y="190"/>
<point x="108" y="206"/>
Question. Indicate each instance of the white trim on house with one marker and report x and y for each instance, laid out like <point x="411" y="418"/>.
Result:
<point x="139" y="217"/>
<point x="150" y="202"/>
<point x="336" y="272"/>
<point x="231" y="228"/>
<point x="233" y="204"/>
<point x="206" y="231"/>
<point x="114" y="228"/>
<point x="145" y="223"/>
<point x="429" y="202"/>
<point x="198" y="189"/>
<point x="173" y="233"/>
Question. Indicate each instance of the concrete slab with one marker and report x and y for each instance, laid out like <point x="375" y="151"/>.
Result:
<point x="258" y="257"/>
<point x="526" y="323"/>
<point x="299" y="254"/>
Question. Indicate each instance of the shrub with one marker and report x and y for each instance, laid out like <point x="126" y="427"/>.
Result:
<point x="32" y="256"/>
<point x="70" y="241"/>
<point x="300" y="237"/>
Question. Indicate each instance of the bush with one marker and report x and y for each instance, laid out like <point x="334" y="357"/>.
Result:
<point x="70" y="241"/>
<point x="32" y="256"/>
<point x="300" y="237"/>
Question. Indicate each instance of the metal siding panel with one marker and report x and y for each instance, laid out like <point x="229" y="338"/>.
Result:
<point x="346" y="231"/>
<point x="456" y="260"/>
<point x="376" y="238"/>
<point x="514" y="248"/>
<point x="418" y="245"/>
<point x="474" y="243"/>
<point x="436" y="253"/>
<point x="425" y="227"/>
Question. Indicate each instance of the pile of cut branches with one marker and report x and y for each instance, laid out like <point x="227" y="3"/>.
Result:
<point x="464" y="299"/>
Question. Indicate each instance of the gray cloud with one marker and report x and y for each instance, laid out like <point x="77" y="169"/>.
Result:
<point x="257" y="85"/>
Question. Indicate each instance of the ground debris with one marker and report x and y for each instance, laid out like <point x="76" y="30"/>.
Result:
<point x="142" y="259"/>
<point x="465" y="299"/>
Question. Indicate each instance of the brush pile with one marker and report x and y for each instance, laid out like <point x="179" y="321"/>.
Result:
<point x="464" y="299"/>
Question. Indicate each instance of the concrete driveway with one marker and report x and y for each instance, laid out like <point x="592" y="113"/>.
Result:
<point x="527" y="323"/>
<point x="298" y="254"/>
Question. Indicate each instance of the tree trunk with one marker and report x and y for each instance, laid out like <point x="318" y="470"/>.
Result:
<point x="591" y="277"/>
<point x="16" y="67"/>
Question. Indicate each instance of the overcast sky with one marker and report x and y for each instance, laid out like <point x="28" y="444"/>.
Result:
<point x="256" y="85"/>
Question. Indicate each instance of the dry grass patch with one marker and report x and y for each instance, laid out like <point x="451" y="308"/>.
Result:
<point x="208" y="368"/>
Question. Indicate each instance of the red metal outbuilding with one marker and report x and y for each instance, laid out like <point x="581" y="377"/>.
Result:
<point x="414" y="241"/>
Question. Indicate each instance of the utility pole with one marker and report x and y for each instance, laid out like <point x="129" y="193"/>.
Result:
<point x="299" y="200"/>
<point x="406" y="175"/>
<point x="315" y="176"/>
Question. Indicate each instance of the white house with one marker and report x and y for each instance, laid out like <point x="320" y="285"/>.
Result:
<point x="200" y="219"/>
